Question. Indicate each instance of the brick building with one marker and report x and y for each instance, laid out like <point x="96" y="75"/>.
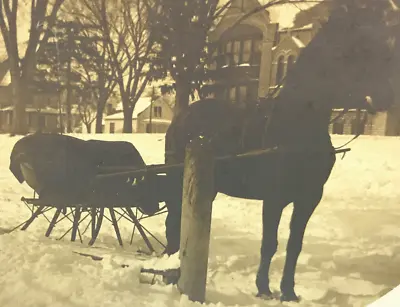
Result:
<point x="252" y="58"/>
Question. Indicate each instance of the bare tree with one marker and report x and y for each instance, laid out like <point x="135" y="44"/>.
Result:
<point x="87" y="109"/>
<point x="95" y="60"/>
<point x="22" y="68"/>
<point x="129" y="47"/>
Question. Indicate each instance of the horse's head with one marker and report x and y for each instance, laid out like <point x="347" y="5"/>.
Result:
<point x="366" y="55"/>
<point x="349" y="62"/>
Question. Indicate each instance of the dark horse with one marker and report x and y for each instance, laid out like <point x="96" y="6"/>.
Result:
<point x="347" y="64"/>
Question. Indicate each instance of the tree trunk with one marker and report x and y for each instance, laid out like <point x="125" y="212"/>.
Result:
<point x="101" y="103"/>
<point x="88" y="127"/>
<point x="99" y="121"/>
<point x="19" y="93"/>
<point x="128" y="113"/>
<point x="182" y="95"/>
<point x="68" y="99"/>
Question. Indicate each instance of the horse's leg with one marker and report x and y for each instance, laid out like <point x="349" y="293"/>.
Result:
<point x="302" y="211"/>
<point x="173" y="222"/>
<point x="272" y="213"/>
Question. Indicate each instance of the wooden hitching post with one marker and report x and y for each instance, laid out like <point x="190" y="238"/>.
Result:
<point x="198" y="193"/>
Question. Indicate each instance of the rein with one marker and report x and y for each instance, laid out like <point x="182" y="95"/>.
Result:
<point x="349" y="141"/>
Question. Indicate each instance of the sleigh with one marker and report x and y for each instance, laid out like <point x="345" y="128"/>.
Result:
<point x="69" y="180"/>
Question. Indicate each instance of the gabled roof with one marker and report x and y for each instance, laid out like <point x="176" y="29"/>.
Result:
<point x="141" y="105"/>
<point x="295" y="42"/>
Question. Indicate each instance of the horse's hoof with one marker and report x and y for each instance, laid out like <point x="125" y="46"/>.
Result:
<point x="170" y="251"/>
<point x="265" y="296"/>
<point x="290" y="297"/>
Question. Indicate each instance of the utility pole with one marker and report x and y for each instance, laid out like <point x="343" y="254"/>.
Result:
<point x="153" y="98"/>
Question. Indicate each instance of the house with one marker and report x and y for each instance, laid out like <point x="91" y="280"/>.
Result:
<point x="147" y="117"/>
<point x="252" y="59"/>
<point x="157" y="117"/>
<point x="45" y="120"/>
<point x="43" y="110"/>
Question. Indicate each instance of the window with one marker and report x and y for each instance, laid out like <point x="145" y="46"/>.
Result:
<point x="247" y="46"/>
<point x="29" y="116"/>
<point x="41" y="121"/>
<point x="237" y="52"/>
<point x="213" y="64"/>
<point x="252" y="92"/>
<point x="229" y="47"/>
<point x="257" y="45"/>
<point x="280" y="70"/>
<point x="232" y="94"/>
<point x="242" y="95"/>
<point x="241" y="51"/>
<point x="112" y="127"/>
<point x="157" y="112"/>
<point x="290" y="62"/>
<point x="220" y="57"/>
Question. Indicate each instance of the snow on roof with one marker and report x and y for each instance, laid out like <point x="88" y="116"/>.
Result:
<point x="306" y="27"/>
<point x="298" y="42"/>
<point x="140" y="106"/>
<point x="45" y="110"/>
<point x="157" y="120"/>
<point x="115" y="116"/>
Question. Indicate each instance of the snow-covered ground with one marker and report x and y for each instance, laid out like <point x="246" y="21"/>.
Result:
<point x="351" y="253"/>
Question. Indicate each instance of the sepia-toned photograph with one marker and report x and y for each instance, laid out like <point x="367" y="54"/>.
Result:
<point x="183" y="153"/>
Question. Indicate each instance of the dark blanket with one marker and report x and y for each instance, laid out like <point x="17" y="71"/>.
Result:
<point x="62" y="169"/>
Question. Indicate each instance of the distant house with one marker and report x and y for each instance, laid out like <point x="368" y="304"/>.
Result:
<point x="45" y="120"/>
<point x="42" y="110"/>
<point x="147" y="117"/>
<point x="155" y="118"/>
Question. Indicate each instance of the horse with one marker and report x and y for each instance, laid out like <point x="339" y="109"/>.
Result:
<point x="347" y="64"/>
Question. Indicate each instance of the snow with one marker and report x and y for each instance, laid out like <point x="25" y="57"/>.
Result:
<point x="351" y="251"/>
<point x="298" y="42"/>
<point x="142" y="104"/>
